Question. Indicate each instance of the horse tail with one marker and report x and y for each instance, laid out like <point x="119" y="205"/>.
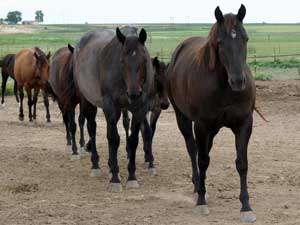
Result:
<point x="69" y="98"/>
<point x="260" y="114"/>
<point x="50" y="91"/>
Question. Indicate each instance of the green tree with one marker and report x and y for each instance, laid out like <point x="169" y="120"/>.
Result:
<point x="39" y="16"/>
<point x="1" y="21"/>
<point x="13" y="17"/>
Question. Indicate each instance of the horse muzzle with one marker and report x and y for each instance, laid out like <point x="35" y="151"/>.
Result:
<point x="237" y="84"/>
<point x="164" y="105"/>
<point x="134" y="95"/>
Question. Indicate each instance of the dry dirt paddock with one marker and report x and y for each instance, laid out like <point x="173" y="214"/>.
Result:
<point x="40" y="185"/>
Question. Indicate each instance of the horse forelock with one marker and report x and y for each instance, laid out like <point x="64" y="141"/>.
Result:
<point x="210" y="57"/>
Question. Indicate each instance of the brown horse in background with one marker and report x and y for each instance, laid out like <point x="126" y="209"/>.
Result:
<point x="7" y="70"/>
<point x="211" y="86"/>
<point x="61" y="73"/>
<point x="32" y="72"/>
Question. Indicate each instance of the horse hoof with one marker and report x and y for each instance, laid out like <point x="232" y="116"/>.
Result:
<point x="132" y="184"/>
<point x="31" y="123"/>
<point x="248" y="217"/>
<point x="95" y="173"/>
<point x="152" y="172"/>
<point x="201" y="209"/>
<point x="75" y="157"/>
<point x="48" y="124"/>
<point x="83" y="151"/>
<point x="146" y="165"/>
<point x="115" y="187"/>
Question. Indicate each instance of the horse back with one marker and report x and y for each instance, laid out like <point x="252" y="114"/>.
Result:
<point x="60" y="71"/>
<point x="87" y="55"/>
<point x="25" y="66"/>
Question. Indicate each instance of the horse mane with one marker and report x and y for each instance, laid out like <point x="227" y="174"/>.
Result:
<point x="42" y="56"/>
<point x="208" y="53"/>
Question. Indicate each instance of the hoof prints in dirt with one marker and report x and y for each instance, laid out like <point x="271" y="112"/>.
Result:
<point x="23" y="188"/>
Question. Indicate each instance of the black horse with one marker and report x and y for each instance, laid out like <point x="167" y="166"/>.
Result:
<point x="7" y="70"/>
<point x="113" y="71"/>
<point x="157" y="104"/>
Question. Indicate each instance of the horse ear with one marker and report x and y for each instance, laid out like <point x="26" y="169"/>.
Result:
<point x="142" y="36"/>
<point x="155" y="63"/>
<point x="71" y="48"/>
<point x="241" y="14"/>
<point x="120" y="36"/>
<point x="48" y="55"/>
<point x="36" y="56"/>
<point x="219" y="15"/>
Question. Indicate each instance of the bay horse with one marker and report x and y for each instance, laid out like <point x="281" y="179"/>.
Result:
<point x="211" y="85"/>
<point x="32" y="72"/>
<point x="113" y="71"/>
<point x="157" y="104"/>
<point x="60" y="78"/>
<point x="7" y="70"/>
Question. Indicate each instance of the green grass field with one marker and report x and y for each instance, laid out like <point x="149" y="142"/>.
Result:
<point x="264" y="39"/>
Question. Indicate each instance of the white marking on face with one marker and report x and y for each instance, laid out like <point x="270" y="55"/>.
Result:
<point x="233" y="33"/>
<point x="134" y="53"/>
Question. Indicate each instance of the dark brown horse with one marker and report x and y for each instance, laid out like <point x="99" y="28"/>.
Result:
<point x="31" y="71"/>
<point x="157" y="104"/>
<point x="61" y="73"/>
<point x="113" y="70"/>
<point x="7" y="70"/>
<point x="210" y="85"/>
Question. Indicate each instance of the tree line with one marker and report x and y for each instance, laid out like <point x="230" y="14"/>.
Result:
<point x="14" y="17"/>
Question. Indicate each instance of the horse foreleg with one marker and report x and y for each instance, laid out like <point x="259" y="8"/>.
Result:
<point x="126" y="122"/>
<point x="147" y="139"/>
<point x="21" y="94"/>
<point x="46" y="103"/>
<point x="242" y="136"/>
<point x="4" y="80"/>
<point x="35" y="98"/>
<point x="112" y="116"/>
<point x="153" y="120"/>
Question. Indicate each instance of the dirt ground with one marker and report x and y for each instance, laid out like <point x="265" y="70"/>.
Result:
<point x="40" y="185"/>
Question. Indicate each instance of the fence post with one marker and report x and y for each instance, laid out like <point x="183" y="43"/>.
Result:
<point x="274" y="54"/>
<point x="255" y="64"/>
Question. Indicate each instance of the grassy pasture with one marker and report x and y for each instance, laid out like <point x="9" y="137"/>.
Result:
<point x="264" y="39"/>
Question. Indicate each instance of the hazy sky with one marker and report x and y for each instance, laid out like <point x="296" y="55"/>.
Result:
<point x="153" y="11"/>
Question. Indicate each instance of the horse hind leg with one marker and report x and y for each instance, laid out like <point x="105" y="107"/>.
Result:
<point x="21" y="94"/>
<point x="16" y="90"/>
<point x="3" y="86"/>
<point x="35" y="98"/>
<point x="81" y="121"/>
<point x="30" y="102"/>
<point x="90" y="112"/>
<point x="72" y="128"/>
<point x="186" y="129"/>
<point x="46" y="103"/>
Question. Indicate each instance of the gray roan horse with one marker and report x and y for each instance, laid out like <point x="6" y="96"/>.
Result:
<point x="113" y="71"/>
<point x="211" y="85"/>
